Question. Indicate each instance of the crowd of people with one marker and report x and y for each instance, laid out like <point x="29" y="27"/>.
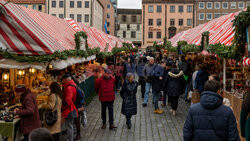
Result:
<point x="167" y="78"/>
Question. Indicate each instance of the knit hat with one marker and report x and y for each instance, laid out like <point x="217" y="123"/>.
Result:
<point x="67" y="75"/>
<point x="107" y="71"/>
<point x="20" y="88"/>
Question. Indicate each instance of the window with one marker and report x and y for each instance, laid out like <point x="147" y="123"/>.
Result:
<point x="241" y="5"/>
<point x="172" y="22"/>
<point x="159" y="9"/>
<point x="189" y="8"/>
<point x="150" y="21"/>
<point x="180" y="9"/>
<point x="150" y="34"/>
<point x="61" y="16"/>
<point x="180" y="22"/>
<point x="53" y="4"/>
<point x="158" y="22"/>
<point x="225" y="5"/>
<point x="138" y="27"/>
<point x="79" y="4"/>
<point x="108" y="24"/>
<point x="79" y="17"/>
<point x="53" y="15"/>
<point x="72" y="4"/>
<point x="124" y="34"/>
<point x="201" y="5"/>
<point x="217" y="5"/>
<point x="72" y="16"/>
<point x="209" y="16"/>
<point x="158" y="35"/>
<point x="34" y="7"/>
<point x="133" y="34"/>
<point x="201" y="16"/>
<point x="25" y="5"/>
<point x="108" y="15"/>
<point x="128" y="27"/>
<point x="86" y="4"/>
<point x="172" y="9"/>
<point x="40" y="7"/>
<point x="209" y="5"/>
<point x="216" y="15"/>
<point x="233" y="5"/>
<point x="86" y="18"/>
<point x="61" y="5"/>
<point x="124" y="18"/>
<point x="108" y="6"/>
<point x="133" y="19"/>
<point x="150" y="9"/>
<point x="189" y="22"/>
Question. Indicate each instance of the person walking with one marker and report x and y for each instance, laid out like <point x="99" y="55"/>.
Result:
<point x="201" y="78"/>
<point x="245" y="117"/>
<point x="69" y="111"/>
<point x="105" y="86"/>
<point x="141" y="75"/>
<point x="148" y="71"/>
<point x="28" y="113"/>
<point x="157" y="85"/>
<point x="210" y="120"/>
<point x="174" y="86"/>
<point x="54" y="103"/>
<point x="167" y="69"/>
<point x="128" y="94"/>
<point x="130" y="66"/>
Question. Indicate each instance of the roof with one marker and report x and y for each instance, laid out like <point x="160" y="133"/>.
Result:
<point x="28" y="1"/>
<point x="129" y="11"/>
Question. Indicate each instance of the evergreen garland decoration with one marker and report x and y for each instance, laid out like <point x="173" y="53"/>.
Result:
<point x="240" y="23"/>
<point x="204" y="35"/>
<point x="78" y="36"/>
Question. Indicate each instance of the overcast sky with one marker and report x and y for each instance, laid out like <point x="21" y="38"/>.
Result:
<point x="131" y="4"/>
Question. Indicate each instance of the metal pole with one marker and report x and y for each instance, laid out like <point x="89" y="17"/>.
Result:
<point x="224" y="74"/>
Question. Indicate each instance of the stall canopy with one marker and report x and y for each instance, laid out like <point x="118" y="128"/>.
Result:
<point x="220" y="29"/>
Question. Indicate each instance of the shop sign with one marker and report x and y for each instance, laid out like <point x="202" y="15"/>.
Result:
<point x="154" y="29"/>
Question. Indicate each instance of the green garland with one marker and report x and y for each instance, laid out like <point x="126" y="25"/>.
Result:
<point x="205" y="35"/>
<point x="78" y="36"/>
<point x="240" y="23"/>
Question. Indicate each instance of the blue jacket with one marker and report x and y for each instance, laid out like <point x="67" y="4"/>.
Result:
<point x="201" y="78"/>
<point x="140" y="68"/>
<point x="158" y="71"/>
<point x="210" y="120"/>
<point x="149" y="71"/>
<point x="130" y="68"/>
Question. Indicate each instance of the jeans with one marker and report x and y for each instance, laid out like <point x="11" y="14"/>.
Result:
<point x="165" y="98"/>
<point x="147" y="89"/>
<point x="187" y="89"/>
<point x="128" y="117"/>
<point x="156" y="99"/>
<point x="69" y="123"/>
<point x="111" y="113"/>
<point x="174" y="102"/>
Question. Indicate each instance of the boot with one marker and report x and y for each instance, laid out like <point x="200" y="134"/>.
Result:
<point x="158" y="111"/>
<point x="111" y="127"/>
<point x="104" y="126"/>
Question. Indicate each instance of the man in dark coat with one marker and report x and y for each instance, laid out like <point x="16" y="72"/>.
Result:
<point x="141" y="74"/>
<point x="28" y="113"/>
<point x="169" y="64"/>
<point x="201" y="78"/>
<point x="210" y="120"/>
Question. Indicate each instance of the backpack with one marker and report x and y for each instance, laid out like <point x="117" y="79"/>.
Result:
<point x="79" y="102"/>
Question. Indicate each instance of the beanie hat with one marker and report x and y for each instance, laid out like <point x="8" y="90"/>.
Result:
<point x="20" y="88"/>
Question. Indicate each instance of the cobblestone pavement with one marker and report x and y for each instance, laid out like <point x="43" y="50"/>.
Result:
<point x="146" y="126"/>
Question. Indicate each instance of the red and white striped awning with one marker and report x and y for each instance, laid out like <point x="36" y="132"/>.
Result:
<point x="221" y="30"/>
<point x="28" y="32"/>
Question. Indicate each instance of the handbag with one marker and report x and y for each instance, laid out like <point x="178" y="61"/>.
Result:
<point x="51" y="116"/>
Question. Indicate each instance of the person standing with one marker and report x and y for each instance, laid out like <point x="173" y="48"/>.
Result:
<point x="128" y="94"/>
<point x="157" y="85"/>
<point x="167" y="69"/>
<point x="201" y="78"/>
<point x="28" y="113"/>
<point x="148" y="70"/>
<point x="175" y="86"/>
<point x="141" y="75"/>
<point x="105" y="86"/>
<point x="69" y="111"/>
<point x="54" y="103"/>
<point x="210" y="120"/>
<point x="245" y="117"/>
<point x="130" y="66"/>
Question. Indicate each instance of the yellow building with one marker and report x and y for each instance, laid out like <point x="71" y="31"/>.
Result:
<point x="39" y="5"/>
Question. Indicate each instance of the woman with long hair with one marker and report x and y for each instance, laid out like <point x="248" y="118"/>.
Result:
<point x="245" y="117"/>
<point x="54" y="103"/>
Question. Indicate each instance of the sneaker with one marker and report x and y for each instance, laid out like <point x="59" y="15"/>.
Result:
<point x="104" y="126"/>
<point x="171" y="110"/>
<point x="129" y="125"/>
<point x="158" y="111"/>
<point x="111" y="127"/>
<point x="144" y="105"/>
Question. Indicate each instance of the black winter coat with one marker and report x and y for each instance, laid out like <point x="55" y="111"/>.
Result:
<point x="174" y="83"/>
<point x="210" y="120"/>
<point x="128" y="94"/>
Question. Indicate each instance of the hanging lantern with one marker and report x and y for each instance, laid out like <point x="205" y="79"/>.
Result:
<point x="5" y="77"/>
<point x="50" y="67"/>
<point x="20" y="73"/>
<point x="32" y="70"/>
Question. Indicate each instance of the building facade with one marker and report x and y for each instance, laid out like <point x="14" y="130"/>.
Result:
<point x="114" y="2"/>
<point x="39" y="5"/>
<point x="207" y="10"/>
<point x="165" y="18"/>
<point x="108" y="17"/>
<point x="97" y="15"/>
<point x="130" y="25"/>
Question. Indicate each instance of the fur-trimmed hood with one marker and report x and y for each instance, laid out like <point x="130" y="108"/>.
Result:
<point x="175" y="74"/>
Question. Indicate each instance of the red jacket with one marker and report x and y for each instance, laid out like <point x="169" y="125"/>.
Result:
<point x="68" y="107"/>
<point x="106" y="89"/>
<point x="29" y="114"/>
